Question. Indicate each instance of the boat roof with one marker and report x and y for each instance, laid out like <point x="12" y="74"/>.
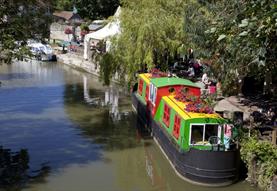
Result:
<point x="179" y="107"/>
<point x="166" y="81"/>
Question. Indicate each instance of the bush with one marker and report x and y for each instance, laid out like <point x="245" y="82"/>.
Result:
<point x="261" y="160"/>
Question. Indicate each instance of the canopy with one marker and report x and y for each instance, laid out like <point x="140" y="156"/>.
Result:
<point x="106" y="32"/>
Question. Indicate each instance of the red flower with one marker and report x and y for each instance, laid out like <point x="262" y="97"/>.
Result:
<point x="68" y="31"/>
<point x="83" y="32"/>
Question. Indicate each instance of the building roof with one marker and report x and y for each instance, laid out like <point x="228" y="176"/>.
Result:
<point x="63" y="14"/>
<point x="67" y="15"/>
<point x="165" y="81"/>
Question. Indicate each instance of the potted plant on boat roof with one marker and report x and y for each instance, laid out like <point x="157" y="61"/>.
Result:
<point x="195" y="104"/>
<point x="156" y="73"/>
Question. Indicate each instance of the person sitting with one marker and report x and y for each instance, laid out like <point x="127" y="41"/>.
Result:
<point x="191" y="72"/>
<point x="175" y="65"/>
<point x="271" y="116"/>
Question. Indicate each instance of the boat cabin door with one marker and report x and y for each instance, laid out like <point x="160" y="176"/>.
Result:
<point x="152" y="95"/>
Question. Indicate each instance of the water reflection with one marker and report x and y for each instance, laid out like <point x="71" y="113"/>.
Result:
<point x="14" y="169"/>
<point x="108" y="123"/>
<point x="111" y="100"/>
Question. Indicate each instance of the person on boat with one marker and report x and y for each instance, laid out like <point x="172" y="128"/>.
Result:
<point x="205" y="80"/>
<point x="227" y="135"/>
<point x="191" y="56"/>
<point x="190" y="71"/>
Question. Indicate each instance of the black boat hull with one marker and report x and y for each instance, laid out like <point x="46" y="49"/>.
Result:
<point x="202" y="167"/>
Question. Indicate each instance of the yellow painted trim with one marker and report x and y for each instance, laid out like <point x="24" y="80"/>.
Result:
<point x="179" y="108"/>
<point x="174" y="106"/>
<point x="145" y="77"/>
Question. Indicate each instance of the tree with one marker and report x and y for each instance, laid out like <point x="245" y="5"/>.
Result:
<point x="96" y="9"/>
<point x="20" y="21"/>
<point x="151" y="32"/>
<point x="89" y="9"/>
<point x="64" y="5"/>
<point x="243" y="36"/>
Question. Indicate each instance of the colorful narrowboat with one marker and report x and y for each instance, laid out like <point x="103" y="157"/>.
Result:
<point x="194" y="139"/>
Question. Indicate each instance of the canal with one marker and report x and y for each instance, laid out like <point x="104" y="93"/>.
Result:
<point x="61" y="130"/>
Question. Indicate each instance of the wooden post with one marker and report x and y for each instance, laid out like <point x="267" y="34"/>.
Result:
<point x="274" y="132"/>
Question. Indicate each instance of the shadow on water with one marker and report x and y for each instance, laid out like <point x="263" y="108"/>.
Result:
<point x="14" y="167"/>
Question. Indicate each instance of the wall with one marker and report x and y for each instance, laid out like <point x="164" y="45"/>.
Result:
<point x="78" y="62"/>
<point x="57" y="32"/>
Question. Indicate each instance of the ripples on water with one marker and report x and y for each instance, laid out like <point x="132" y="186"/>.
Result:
<point x="60" y="129"/>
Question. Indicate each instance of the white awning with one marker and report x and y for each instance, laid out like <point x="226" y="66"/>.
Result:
<point x="106" y="32"/>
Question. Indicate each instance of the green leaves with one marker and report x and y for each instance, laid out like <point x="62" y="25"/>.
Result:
<point x="243" y="33"/>
<point x="23" y="20"/>
<point x="261" y="159"/>
<point x="244" y="23"/>
<point x="243" y="28"/>
<point x="152" y="31"/>
<point x="221" y="37"/>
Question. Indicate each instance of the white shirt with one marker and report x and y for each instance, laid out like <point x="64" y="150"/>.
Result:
<point x="205" y="78"/>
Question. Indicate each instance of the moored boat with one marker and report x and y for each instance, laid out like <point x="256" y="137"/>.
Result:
<point x="194" y="139"/>
<point x="42" y="52"/>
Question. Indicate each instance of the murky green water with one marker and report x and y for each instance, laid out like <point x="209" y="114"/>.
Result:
<point x="61" y="130"/>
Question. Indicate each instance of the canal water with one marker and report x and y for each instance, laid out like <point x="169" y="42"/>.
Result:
<point x="61" y="130"/>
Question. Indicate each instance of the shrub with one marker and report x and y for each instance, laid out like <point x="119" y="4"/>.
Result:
<point x="261" y="160"/>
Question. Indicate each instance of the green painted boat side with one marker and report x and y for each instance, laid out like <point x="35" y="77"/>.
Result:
<point x="142" y="96"/>
<point x="183" y="140"/>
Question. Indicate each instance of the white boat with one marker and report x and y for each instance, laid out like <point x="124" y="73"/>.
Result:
<point x="41" y="51"/>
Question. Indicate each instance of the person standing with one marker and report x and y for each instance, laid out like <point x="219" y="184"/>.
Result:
<point x="205" y="79"/>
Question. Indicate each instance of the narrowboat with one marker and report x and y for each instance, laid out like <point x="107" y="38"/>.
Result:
<point x="194" y="139"/>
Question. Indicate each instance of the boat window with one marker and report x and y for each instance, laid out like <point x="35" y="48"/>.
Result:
<point x="166" y="115"/>
<point x="176" y="129"/>
<point x="140" y="87"/>
<point x="147" y="92"/>
<point x="153" y="93"/>
<point x="204" y="134"/>
<point x="211" y="130"/>
<point x="196" y="134"/>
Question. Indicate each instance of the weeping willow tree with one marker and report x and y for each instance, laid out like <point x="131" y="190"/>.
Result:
<point x="151" y="32"/>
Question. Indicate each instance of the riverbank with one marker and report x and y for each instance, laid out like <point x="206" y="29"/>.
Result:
<point x="77" y="61"/>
